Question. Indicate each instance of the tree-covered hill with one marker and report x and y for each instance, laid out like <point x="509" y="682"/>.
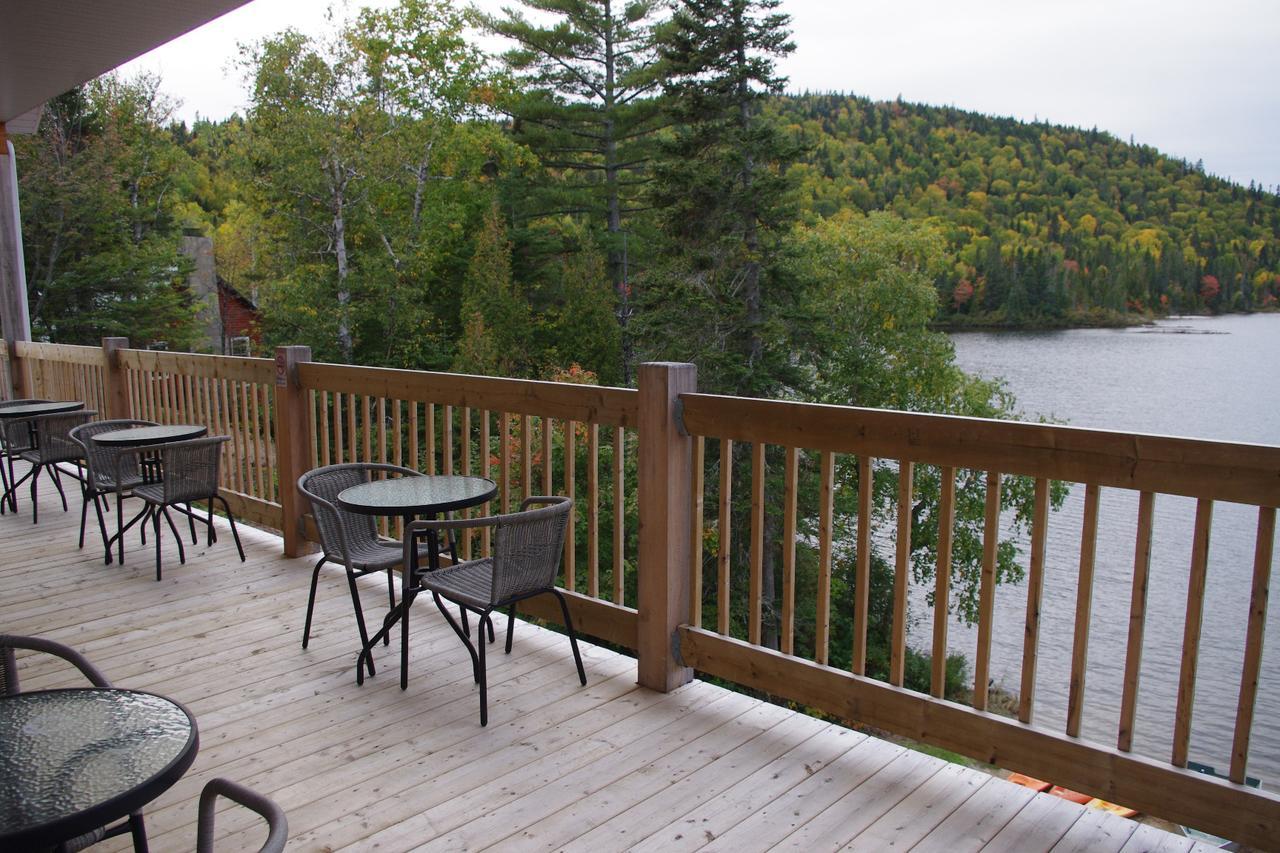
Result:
<point x="1048" y="225"/>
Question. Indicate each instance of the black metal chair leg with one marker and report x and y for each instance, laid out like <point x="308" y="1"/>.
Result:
<point x="98" y="501"/>
<point x="466" y="640"/>
<point x="484" y="680"/>
<point x="35" y="507"/>
<point x="57" y="484"/>
<point x="355" y="602"/>
<point x="511" y="625"/>
<point x="155" y="521"/>
<point x="139" y="832"/>
<point x="177" y="537"/>
<point x="213" y="533"/>
<point x="191" y="523"/>
<point x="573" y="636"/>
<point x="311" y="600"/>
<point x="84" y="512"/>
<point x="232" y="519"/>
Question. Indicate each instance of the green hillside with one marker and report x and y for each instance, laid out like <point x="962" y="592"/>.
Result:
<point x="1049" y="225"/>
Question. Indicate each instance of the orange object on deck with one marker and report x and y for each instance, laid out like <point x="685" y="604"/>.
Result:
<point x="1068" y="794"/>
<point x="1029" y="782"/>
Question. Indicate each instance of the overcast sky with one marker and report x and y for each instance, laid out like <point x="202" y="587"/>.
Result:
<point x="1196" y="80"/>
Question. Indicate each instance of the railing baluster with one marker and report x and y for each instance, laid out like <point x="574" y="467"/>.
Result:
<point x="431" y="437"/>
<point x="367" y="427"/>
<point x="1137" y="621"/>
<point x="415" y="457"/>
<point x="987" y="591"/>
<point x="570" y="491"/>
<point x="526" y="456"/>
<point x="313" y="404"/>
<point x="326" y="401"/>
<point x="1084" y="607"/>
<point x="1035" y="592"/>
<point x="397" y="432"/>
<point x="1254" y="635"/>
<point x="464" y="453"/>
<point x="353" y="430"/>
<point x="696" y="509"/>
<point x="238" y="450"/>
<point x="791" y="473"/>
<point x="755" y="593"/>
<point x="259" y="443"/>
<point x="619" y="520"/>
<point x="504" y="461"/>
<point x="486" y="471"/>
<point x="862" y="570"/>
<point x="548" y="425"/>
<point x="593" y="510"/>
<point x="446" y="441"/>
<point x="1191" y="632"/>
<point x="826" y="533"/>
<point x="942" y="579"/>
<point x="723" y="597"/>
<point x="901" y="573"/>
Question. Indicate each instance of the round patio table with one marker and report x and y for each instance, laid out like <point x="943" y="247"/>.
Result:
<point x="424" y="494"/>
<point x="138" y="436"/>
<point x="72" y="761"/>
<point x="29" y="410"/>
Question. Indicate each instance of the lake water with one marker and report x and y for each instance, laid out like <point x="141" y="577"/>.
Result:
<point x="1215" y="378"/>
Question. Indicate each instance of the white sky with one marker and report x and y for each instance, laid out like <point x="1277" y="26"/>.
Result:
<point x="1196" y="80"/>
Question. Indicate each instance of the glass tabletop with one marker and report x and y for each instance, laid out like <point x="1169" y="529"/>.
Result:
<point x="74" y="760"/>
<point x="421" y="495"/>
<point x="134" y="436"/>
<point x="27" y="410"/>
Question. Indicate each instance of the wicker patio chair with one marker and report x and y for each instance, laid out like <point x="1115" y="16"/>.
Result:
<point x="9" y="687"/>
<point x="349" y="539"/>
<point x="527" y="547"/>
<point x="100" y="476"/>
<point x="21" y="440"/>
<point x="277" y="825"/>
<point x="54" y="445"/>
<point x="189" y="474"/>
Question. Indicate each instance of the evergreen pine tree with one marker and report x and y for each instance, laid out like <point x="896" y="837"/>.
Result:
<point x="721" y="192"/>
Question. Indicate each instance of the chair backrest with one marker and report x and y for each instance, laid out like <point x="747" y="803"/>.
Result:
<point x="191" y="468"/>
<point x="14" y="435"/>
<point x="277" y="824"/>
<point x="53" y="435"/>
<point x="342" y="532"/>
<point x="527" y="547"/>
<point x="102" y="458"/>
<point x="9" y="664"/>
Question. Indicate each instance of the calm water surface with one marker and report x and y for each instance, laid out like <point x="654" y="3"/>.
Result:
<point x="1215" y="378"/>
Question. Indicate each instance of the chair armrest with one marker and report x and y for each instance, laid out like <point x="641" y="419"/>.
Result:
<point x="50" y="647"/>
<point x="277" y="824"/>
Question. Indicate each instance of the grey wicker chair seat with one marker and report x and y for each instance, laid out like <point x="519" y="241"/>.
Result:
<point x="349" y="539"/>
<point x="527" y="547"/>
<point x="54" y="445"/>
<point x="105" y="476"/>
<point x="189" y="475"/>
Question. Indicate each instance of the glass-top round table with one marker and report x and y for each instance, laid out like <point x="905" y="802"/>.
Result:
<point x="424" y="494"/>
<point x="30" y="410"/>
<point x="138" y="436"/>
<point x="75" y="760"/>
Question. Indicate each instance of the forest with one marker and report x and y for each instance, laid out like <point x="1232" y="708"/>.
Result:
<point x="626" y="183"/>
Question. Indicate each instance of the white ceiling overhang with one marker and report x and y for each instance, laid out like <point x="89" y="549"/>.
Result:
<point x="50" y="46"/>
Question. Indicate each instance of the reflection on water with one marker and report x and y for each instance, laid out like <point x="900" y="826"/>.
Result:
<point x="1198" y="377"/>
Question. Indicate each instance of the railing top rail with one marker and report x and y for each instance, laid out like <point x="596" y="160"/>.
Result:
<point x="1218" y="470"/>
<point x="567" y="401"/>
<point x="236" y="368"/>
<point x="69" y="353"/>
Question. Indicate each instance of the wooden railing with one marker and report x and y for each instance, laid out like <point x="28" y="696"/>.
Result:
<point x="641" y="464"/>
<point x="1148" y="465"/>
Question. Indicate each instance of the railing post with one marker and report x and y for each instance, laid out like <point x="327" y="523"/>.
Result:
<point x="665" y="462"/>
<point x="115" y="388"/>
<point x="293" y="444"/>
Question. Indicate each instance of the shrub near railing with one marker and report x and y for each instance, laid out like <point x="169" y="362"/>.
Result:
<point x="1206" y="471"/>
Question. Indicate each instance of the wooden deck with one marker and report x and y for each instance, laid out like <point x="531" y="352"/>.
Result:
<point x="608" y="766"/>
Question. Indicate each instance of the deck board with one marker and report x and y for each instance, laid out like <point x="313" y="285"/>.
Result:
<point x="609" y="766"/>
